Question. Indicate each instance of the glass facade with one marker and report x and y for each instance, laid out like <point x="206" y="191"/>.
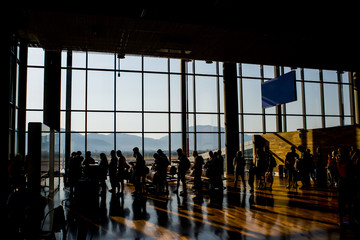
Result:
<point x="122" y="103"/>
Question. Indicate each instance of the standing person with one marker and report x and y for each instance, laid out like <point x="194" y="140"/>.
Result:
<point x="113" y="168"/>
<point x="260" y="166"/>
<point x="344" y="184"/>
<point x="252" y="172"/>
<point x="166" y="163"/>
<point x="290" y="159"/>
<point x="74" y="171"/>
<point x="221" y="168"/>
<point x="184" y="165"/>
<point x="139" y="172"/>
<point x="104" y="165"/>
<point x="122" y="167"/>
<point x="270" y="164"/>
<point x="198" y="163"/>
<point x="86" y="164"/>
<point x="239" y="167"/>
<point x="304" y="167"/>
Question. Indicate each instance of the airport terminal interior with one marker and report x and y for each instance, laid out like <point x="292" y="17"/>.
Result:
<point x="133" y="122"/>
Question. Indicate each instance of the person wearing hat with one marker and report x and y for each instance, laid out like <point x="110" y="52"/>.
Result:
<point x="184" y="165"/>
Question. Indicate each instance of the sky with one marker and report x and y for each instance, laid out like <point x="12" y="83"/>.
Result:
<point x="126" y="96"/>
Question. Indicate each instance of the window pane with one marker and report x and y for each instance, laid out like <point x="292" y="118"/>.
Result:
<point x="78" y="143"/>
<point x="78" y="121"/>
<point x="126" y="142"/>
<point x="311" y="74"/>
<point x="253" y="123"/>
<point x="100" y="90"/>
<point x="313" y="122"/>
<point x="201" y="67"/>
<point x="270" y="123"/>
<point x="63" y="90"/>
<point x="79" y="59"/>
<point x="293" y="123"/>
<point x="175" y="93"/>
<point x="156" y="122"/>
<point x="100" y="122"/>
<point x="312" y="97"/>
<point x="128" y="92"/>
<point x="190" y="93"/>
<point x="35" y="56"/>
<point x="329" y="76"/>
<point x="153" y="142"/>
<point x="78" y="90"/>
<point x="296" y="106"/>
<point x="176" y="122"/>
<point x="268" y="71"/>
<point x="155" y="64"/>
<point x="251" y="70"/>
<point x="100" y="143"/>
<point x="156" y="92"/>
<point x="35" y="88"/>
<point x="346" y="99"/>
<point x="128" y="122"/>
<point x="252" y="96"/>
<point x="207" y="122"/>
<point x="332" y="121"/>
<point x="206" y="94"/>
<point x="130" y="62"/>
<point x="176" y="143"/>
<point x="207" y="142"/>
<point x="175" y="65"/>
<point x="33" y="116"/>
<point x="100" y="60"/>
<point x="331" y="95"/>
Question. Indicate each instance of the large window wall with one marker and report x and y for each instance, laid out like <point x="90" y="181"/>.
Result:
<point x="120" y="103"/>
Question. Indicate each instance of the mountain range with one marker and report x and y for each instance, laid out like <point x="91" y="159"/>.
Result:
<point x="105" y="142"/>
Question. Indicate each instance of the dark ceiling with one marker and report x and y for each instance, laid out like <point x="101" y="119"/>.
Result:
<point x="207" y="30"/>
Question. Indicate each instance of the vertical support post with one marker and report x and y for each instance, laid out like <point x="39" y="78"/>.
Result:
<point x="22" y="98"/>
<point x="303" y="97"/>
<point x="322" y="99"/>
<point x="52" y="87"/>
<point x="231" y="115"/>
<point x="68" y="113"/>
<point x="341" y="99"/>
<point x="241" y="111"/>
<point x="356" y="84"/>
<point x="184" y="144"/>
<point x="278" y="107"/>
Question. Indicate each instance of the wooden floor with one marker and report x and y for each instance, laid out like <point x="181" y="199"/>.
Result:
<point x="265" y="214"/>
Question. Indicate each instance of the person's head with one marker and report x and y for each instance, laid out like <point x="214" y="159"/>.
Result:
<point x="156" y="155"/>
<point x="195" y="154"/>
<point x="112" y="153"/>
<point x="301" y="148"/>
<point x="78" y="153"/>
<point x="88" y="154"/>
<point x="73" y="154"/>
<point x="179" y="151"/>
<point x="211" y="154"/>
<point x="136" y="151"/>
<point x="103" y="156"/>
<point x="238" y="154"/>
<point x="119" y="153"/>
<point x="293" y="148"/>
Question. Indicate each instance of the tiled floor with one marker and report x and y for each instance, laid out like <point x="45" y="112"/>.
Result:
<point x="233" y="214"/>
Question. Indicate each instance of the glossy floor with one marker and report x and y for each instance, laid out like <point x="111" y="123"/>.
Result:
<point x="234" y="214"/>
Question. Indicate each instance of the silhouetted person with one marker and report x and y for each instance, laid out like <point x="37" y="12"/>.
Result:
<point x="304" y="168"/>
<point x="184" y="165"/>
<point x="197" y="168"/>
<point x="122" y="167"/>
<point x="74" y="170"/>
<point x="210" y="169"/>
<point x="113" y="167"/>
<point x="239" y="167"/>
<point x="320" y="166"/>
<point x="166" y="163"/>
<point x="290" y="159"/>
<point x="104" y="165"/>
<point x="270" y="163"/>
<point x="218" y="166"/>
<point x="16" y="172"/>
<point x="86" y="164"/>
<point x="139" y="172"/>
<point x="260" y="165"/>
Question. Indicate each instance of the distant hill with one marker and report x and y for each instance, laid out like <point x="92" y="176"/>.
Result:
<point x="105" y="142"/>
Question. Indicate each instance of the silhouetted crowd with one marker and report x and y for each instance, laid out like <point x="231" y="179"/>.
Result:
<point x="340" y="170"/>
